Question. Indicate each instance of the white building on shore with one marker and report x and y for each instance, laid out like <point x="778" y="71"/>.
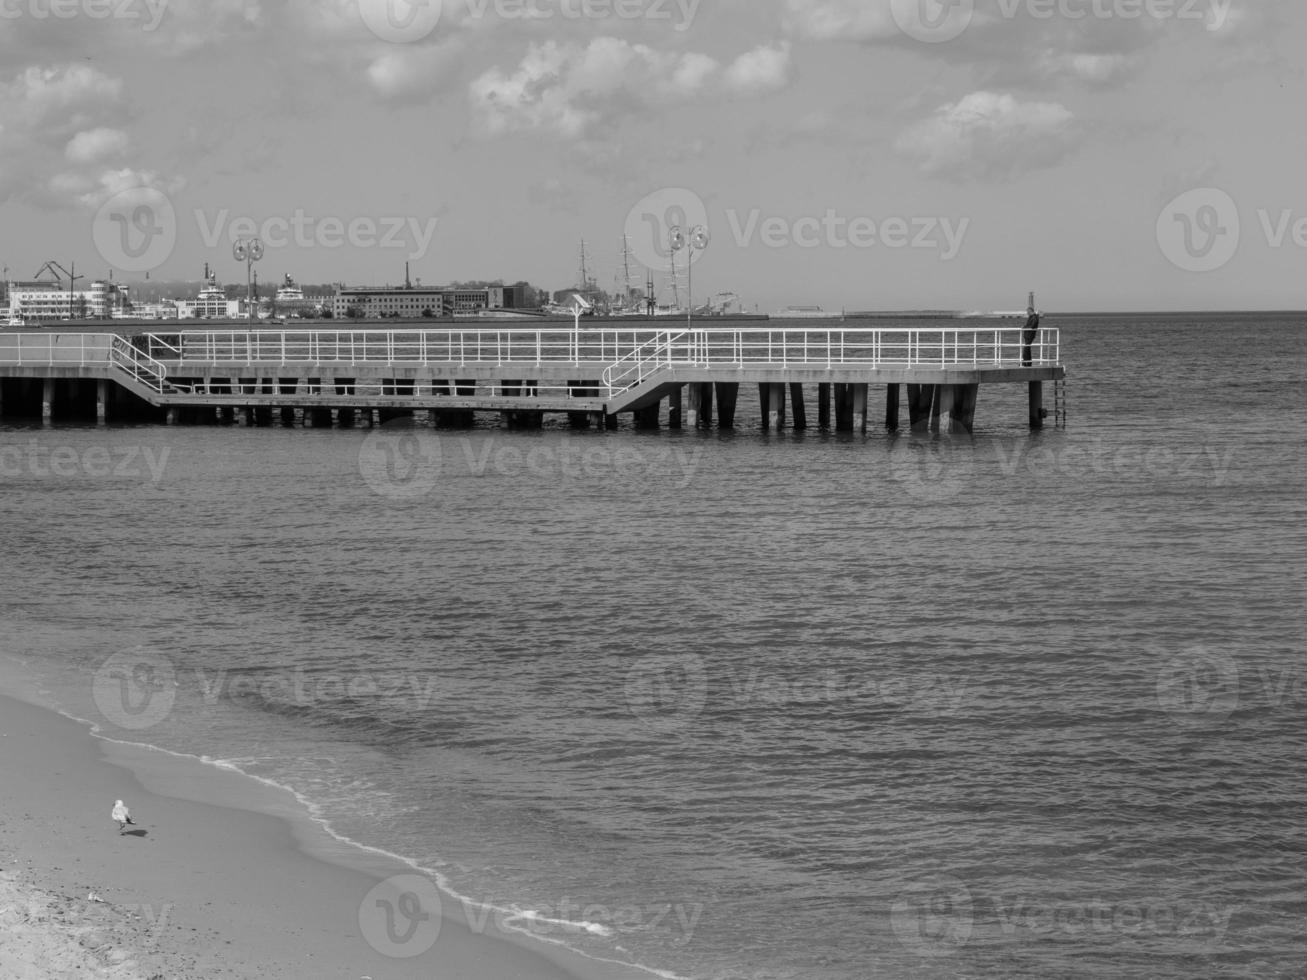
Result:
<point x="44" y="300"/>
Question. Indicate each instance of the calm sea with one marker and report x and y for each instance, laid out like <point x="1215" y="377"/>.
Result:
<point x="745" y="705"/>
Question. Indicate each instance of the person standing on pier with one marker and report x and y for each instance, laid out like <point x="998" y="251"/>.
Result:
<point x="1028" y="335"/>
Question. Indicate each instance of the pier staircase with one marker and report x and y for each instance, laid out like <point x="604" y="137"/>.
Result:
<point x="639" y="378"/>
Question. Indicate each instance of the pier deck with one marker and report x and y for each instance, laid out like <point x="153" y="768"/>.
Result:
<point x="519" y="369"/>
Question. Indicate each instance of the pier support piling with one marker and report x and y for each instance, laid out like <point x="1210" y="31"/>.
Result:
<point x="1036" y="404"/>
<point x="799" y="411"/>
<point x="823" y="405"/>
<point x="859" y="408"/>
<point x="776" y="406"/>
<point x="892" y="407"/>
<point x="674" y="407"/>
<point x="728" y="394"/>
<point x="101" y="400"/>
<point x="47" y="399"/>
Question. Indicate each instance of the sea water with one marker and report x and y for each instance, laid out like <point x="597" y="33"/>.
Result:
<point x="743" y="705"/>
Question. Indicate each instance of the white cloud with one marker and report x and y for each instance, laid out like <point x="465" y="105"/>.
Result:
<point x="762" y="70"/>
<point x="92" y="145"/>
<point x="987" y="134"/>
<point x="572" y="90"/>
<point x="841" y="20"/>
<point x="409" y="74"/>
<point x="57" y="132"/>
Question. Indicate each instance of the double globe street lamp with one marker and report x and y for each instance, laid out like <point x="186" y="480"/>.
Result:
<point x="248" y="251"/>
<point x="697" y="238"/>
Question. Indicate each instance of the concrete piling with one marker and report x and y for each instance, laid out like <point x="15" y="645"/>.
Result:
<point x="728" y="393"/>
<point x="1036" y="404"/>
<point x="859" y="394"/>
<point x="892" y="407"/>
<point x="798" y="410"/>
<point x="823" y="405"/>
<point x="776" y="406"/>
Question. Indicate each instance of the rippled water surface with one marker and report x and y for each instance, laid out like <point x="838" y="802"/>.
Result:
<point x="745" y="705"/>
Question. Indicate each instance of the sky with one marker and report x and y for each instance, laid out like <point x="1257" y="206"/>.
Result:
<point x="851" y="154"/>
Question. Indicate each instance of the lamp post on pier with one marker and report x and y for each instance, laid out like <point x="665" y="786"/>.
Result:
<point x="697" y="239"/>
<point x="249" y="252"/>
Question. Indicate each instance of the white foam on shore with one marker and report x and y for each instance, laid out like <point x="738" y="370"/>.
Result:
<point x="513" y="919"/>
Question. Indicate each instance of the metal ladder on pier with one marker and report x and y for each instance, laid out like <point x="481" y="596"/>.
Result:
<point x="1059" y="403"/>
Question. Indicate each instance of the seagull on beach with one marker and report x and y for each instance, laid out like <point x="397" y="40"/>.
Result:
<point x="122" y="815"/>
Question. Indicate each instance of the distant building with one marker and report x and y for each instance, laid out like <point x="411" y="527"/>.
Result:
<point x="38" y="300"/>
<point x="371" y="302"/>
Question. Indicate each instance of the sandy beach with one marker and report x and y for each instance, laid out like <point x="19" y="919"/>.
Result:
<point x="197" y="889"/>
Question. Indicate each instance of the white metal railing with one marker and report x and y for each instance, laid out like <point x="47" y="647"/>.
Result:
<point x="649" y="357"/>
<point x="909" y="347"/>
<point x="55" y="349"/>
<point x="141" y="366"/>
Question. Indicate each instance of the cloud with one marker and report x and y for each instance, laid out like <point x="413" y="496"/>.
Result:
<point x="573" y="90"/>
<point x="413" y="74"/>
<point x="990" y="135"/>
<point x="93" y="145"/>
<point x="841" y="20"/>
<point x="59" y="126"/>
<point x="765" y="69"/>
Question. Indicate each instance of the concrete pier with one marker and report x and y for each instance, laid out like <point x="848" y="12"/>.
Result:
<point x="527" y="373"/>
